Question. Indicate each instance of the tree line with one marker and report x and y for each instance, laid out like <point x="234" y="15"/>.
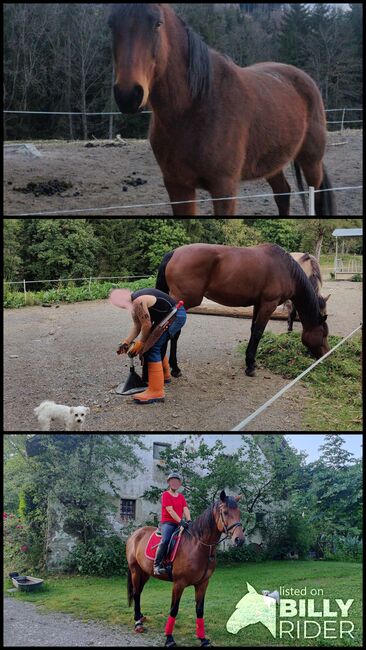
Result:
<point x="58" y="58"/>
<point x="39" y="249"/>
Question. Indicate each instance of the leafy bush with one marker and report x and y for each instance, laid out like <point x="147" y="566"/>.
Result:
<point x="343" y="548"/>
<point x="103" y="556"/>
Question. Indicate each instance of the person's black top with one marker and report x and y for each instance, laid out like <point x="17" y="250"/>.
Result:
<point x="162" y="307"/>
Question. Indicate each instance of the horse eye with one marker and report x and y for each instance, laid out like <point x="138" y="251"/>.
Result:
<point x="158" y="24"/>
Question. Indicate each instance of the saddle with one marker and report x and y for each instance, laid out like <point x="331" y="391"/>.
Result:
<point x="154" y="541"/>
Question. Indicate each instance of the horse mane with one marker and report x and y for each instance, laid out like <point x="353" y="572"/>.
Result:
<point x="315" y="279"/>
<point x="206" y="519"/>
<point x="199" y="64"/>
<point x="203" y="522"/>
<point x="305" y="299"/>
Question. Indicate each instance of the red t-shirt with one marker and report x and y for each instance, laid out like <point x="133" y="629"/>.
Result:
<point x="178" y="503"/>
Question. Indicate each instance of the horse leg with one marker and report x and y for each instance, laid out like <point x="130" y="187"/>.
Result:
<point x="313" y="172"/>
<point x="169" y="627"/>
<point x="173" y="362"/>
<point x="200" y="621"/>
<point x="261" y="317"/>
<point x="291" y="317"/>
<point x="137" y="579"/>
<point x="222" y="188"/>
<point x="280" y="185"/>
<point x="181" y="193"/>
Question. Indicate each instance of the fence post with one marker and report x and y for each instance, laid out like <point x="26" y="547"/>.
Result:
<point x="311" y="201"/>
<point x="343" y="114"/>
<point x="25" y="292"/>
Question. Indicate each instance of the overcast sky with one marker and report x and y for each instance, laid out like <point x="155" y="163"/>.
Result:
<point x="310" y="442"/>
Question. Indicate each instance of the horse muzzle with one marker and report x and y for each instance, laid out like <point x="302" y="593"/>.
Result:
<point x="129" y="102"/>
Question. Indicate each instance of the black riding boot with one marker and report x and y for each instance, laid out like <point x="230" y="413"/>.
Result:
<point x="160" y="554"/>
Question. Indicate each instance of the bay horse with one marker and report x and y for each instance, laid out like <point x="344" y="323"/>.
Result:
<point x="311" y="268"/>
<point x="194" y="564"/>
<point x="215" y="123"/>
<point x="264" y="276"/>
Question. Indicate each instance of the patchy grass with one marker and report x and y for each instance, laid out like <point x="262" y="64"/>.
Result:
<point x="105" y="599"/>
<point x="334" y="387"/>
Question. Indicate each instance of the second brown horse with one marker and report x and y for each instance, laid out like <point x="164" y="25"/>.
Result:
<point x="264" y="276"/>
<point x="215" y="123"/>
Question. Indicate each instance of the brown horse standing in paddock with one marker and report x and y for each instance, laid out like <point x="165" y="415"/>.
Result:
<point x="215" y="123"/>
<point x="311" y="268"/>
<point x="194" y="564"/>
<point x="264" y="276"/>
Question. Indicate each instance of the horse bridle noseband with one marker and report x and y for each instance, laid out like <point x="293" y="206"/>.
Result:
<point x="227" y="528"/>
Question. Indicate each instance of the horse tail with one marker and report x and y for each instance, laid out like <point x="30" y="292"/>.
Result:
<point x="328" y="204"/>
<point x="299" y="183"/>
<point x="161" y="282"/>
<point x="129" y="587"/>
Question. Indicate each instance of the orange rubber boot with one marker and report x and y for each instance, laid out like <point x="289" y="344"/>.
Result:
<point x="166" y="369"/>
<point x="155" y="391"/>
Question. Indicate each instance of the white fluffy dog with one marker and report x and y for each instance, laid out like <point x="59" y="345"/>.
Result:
<point x="71" y="417"/>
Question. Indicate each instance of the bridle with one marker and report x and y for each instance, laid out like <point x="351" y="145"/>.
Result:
<point x="227" y="528"/>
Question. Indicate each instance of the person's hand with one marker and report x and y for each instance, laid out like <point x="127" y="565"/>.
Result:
<point x="135" y="349"/>
<point x="123" y="347"/>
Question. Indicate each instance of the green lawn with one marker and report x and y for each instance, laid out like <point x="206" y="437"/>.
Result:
<point x="105" y="599"/>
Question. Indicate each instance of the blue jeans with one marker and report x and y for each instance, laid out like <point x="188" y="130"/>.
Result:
<point x="154" y="354"/>
<point x="167" y="529"/>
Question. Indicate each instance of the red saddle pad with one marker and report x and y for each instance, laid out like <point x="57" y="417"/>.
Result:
<point x="153" y="543"/>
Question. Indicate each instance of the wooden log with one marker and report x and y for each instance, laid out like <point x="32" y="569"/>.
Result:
<point x="234" y="312"/>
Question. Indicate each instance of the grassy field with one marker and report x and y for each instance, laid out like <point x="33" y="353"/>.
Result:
<point x="105" y="599"/>
<point x="334" y="400"/>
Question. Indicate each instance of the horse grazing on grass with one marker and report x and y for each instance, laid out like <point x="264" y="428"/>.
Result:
<point x="264" y="276"/>
<point x="194" y="563"/>
<point x="215" y="123"/>
<point x="311" y="268"/>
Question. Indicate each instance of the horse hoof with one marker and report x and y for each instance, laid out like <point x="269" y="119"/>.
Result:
<point x="139" y="629"/>
<point x="176" y="373"/>
<point x="250" y="372"/>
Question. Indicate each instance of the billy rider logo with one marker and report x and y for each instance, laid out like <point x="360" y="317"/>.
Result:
<point x="298" y="619"/>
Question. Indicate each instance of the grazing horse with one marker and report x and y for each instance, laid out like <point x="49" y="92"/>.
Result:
<point x="311" y="268"/>
<point x="194" y="563"/>
<point x="264" y="276"/>
<point x="215" y="123"/>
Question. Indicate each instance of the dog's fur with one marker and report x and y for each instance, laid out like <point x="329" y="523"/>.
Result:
<point x="71" y="417"/>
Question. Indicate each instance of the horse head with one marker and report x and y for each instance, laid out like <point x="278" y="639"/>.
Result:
<point x="315" y="338"/>
<point x="227" y="517"/>
<point x="140" y="52"/>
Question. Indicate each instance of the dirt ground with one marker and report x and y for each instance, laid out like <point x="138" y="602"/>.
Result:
<point x="67" y="354"/>
<point x="127" y="174"/>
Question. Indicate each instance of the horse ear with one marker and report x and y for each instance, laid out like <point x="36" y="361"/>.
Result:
<point x="238" y="497"/>
<point x="324" y="318"/>
<point x="327" y="298"/>
<point x="223" y="496"/>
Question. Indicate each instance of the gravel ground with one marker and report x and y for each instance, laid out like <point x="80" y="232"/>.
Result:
<point x="26" y="625"/>
<point x="104" y="177"/>
<point x="67" y="354"/>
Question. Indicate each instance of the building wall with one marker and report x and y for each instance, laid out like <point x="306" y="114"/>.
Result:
<point x="60" y="542"/>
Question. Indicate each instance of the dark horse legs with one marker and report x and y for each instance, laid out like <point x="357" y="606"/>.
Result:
<point x="259" y="322"/>
<point x="261" y="316"/>
<point x="176" y="371"/>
